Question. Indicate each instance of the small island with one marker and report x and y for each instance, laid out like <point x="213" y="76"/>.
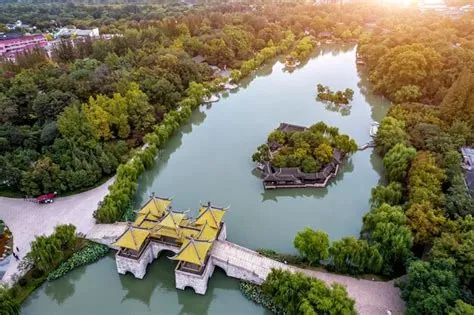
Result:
<point x="296" y="156"/>
<point x="338" y="97"/>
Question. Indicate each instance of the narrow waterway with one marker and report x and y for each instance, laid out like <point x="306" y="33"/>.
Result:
<point x="210" y="159"/>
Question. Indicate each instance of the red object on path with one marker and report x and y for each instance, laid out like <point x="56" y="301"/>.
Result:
<point x="46" y="198"/>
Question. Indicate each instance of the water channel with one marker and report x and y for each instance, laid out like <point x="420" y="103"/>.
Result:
<point x="210" y="159"/>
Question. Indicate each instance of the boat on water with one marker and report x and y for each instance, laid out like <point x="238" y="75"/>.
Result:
<point x="211" y="99"/>
<point x="374" y="128"/>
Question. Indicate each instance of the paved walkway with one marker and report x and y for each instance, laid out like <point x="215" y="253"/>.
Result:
<point x="372" y="297"/>
<point x="28" y="219"/>
<point x="107" y="234"/>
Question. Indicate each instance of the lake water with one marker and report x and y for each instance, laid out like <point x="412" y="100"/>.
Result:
<point x="210" y="160"/>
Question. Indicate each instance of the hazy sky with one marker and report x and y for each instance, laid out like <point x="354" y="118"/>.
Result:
<point x="406" y="2"/>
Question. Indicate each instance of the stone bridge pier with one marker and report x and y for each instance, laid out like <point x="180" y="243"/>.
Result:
<point x="137" y="267"/>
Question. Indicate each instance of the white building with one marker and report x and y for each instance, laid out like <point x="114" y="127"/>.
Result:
<point x="74" y="32"/>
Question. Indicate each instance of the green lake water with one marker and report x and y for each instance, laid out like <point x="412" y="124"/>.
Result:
<point x="210" y="160"/>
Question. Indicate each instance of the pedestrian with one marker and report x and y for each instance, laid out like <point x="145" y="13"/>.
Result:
<point x="16" y="257"/>
<point x="17" y="249"/>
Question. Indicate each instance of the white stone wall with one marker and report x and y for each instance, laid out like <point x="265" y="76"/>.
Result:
<point x="223" y="233"/>
<point x="197" y="282"/>
<point x="138" y="267"/>
<point x="237" y="271"/>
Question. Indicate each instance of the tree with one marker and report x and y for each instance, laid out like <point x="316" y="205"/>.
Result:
<point x="48" y="105"/>
<point x="313" y="245"/>
<point x="390" y="133"/>
<point x="425" y="222"/>
<point x="46" y="252"/>
<point x="296" y="293"/>
<point x="74" y="124"/>
<point x="345" y="144"/>
<point x="458" y="200"/>
<point x="458" y="244"/>
<point x="66" y="234"/>
<point x="383" y="214"/>
<point x="457" y="104"/>
<point x="425" y="180"/>
<point x="397" y="161"/>
<point x="391" y="194"/>
<point x="395" y="243"/>
<point x="431" y="287"/>
<point x="406" y="65"/>
<point x="407" y="93"/>
<point x="461" y="308"/>
<point x="140" y="112"/>
<point x="350" y="255"/>
<point x="7" y="305"/>
<point x="323" y="153"/>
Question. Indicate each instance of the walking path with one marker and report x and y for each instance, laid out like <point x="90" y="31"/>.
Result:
<point x="28" y="219"/>
<point x="371" y="297"/>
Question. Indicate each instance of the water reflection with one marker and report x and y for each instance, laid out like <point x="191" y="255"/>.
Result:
<point x="160" y="277"/>
<point x="379" y="106"/>
<point x="63" y="288"/>
<point x="343" y="109"/>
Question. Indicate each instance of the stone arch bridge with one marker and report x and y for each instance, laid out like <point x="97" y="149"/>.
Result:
<point x="372" y="297"/>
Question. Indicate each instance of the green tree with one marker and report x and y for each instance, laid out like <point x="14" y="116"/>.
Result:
<point x="66" y="234"/>
<point x="425" y="180"/>
<point x="7" y="305"/>
<point x="407" y="93"/>
<point x="324" y="153"/>
<point x="350" y="255"/>
<point x="461" y="308"/>
<point x="391" y="194"/>
<point x="383" y="214"/>
<point x="425" y="222"/>
<point x="458" y="243"/>
<point x="298" y="294"/>
<point x="397" y="162"/>
<point x="390" y="133"/>
<point x="457" y="104"/>
<point x="313" y="245"/>
<point x="431" y="287"/>
<point x="46" y="252"/>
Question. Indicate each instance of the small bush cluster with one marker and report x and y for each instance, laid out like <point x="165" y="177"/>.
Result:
<point x="338" y="97"/>
<point x="89" y="254"/>
<point x="254" y="293"/>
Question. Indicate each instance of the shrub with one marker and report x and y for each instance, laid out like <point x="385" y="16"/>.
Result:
<point x="36" y="273"/>
<point x="89" y="254"/>
<point x="254" y="293"/>
<point x="22" y="282"/>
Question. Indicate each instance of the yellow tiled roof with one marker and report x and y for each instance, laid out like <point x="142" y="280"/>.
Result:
<point x="193" y="251"/>
<point x="207" y="233"/>
<point x="132" y="239"/>
<point x="172" y="219"/>
<point x="211" y="216"/>
<point x="155" y="206"/>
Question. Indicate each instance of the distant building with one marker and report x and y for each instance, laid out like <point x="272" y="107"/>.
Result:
<point x="199" y="59"/>
<point x="468" y="166"/>
<point x="433" y="5"/>
<point x="10" y="48"/>
<point x="74" y="32"/>
<point x="325" y="34"/>
<point x="18" y="25"/>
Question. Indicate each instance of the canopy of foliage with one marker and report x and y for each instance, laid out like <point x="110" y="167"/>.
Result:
<point x="310" y="149"/>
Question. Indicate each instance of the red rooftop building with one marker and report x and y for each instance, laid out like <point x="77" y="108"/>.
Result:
<point x="10" y="48"/>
